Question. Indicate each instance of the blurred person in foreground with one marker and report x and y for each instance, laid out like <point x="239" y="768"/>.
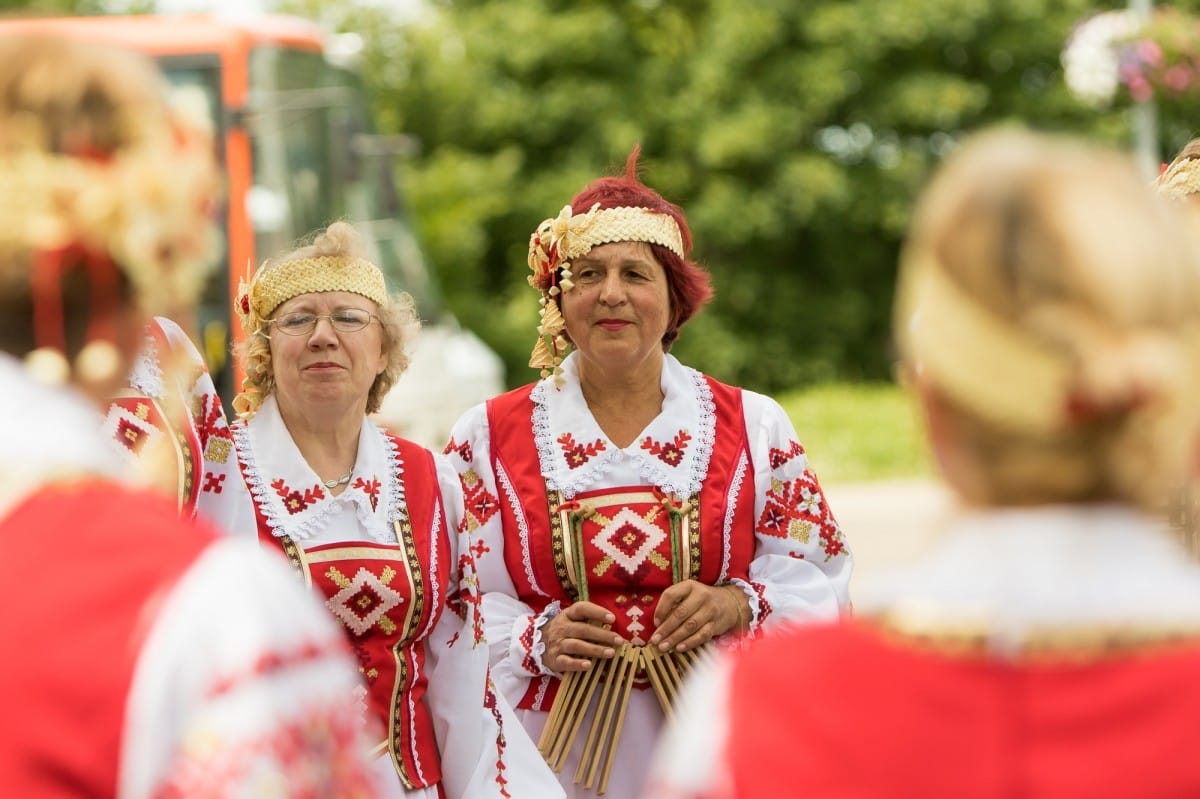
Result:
<point x="146" y="656"/>
<point x="626" y="509"/>
<point x="370" y="521"/>
<point x="1048" y="319"/>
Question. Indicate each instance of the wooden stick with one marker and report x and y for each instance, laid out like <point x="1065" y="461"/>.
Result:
<point x="578" y="710"/>
<point x="618" y="683"/>
<point x="651" y="666"/>
<point x="565" y="686"/>
<point x="600" y="722"/>
<point x="633" y="658"/>
<point x="568" y="685"/>
<point x="674" y="678"/>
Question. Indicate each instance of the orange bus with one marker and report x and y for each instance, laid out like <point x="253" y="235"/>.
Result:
<point x="295" y="137"/>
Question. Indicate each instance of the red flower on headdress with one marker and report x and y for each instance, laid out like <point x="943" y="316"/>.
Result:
<point x="244" y="303"/>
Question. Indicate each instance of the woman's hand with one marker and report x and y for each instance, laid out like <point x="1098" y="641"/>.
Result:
<point x="578" y="633"/>
<point x="691" y="613"/>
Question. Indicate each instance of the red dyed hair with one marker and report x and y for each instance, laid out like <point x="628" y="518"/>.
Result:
<point x="690" y="285"/>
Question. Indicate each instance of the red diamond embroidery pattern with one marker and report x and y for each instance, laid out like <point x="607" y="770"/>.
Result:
<point x="481" y="504"/>
<point x="131" y="436"/>
<point x="793" y="510"/>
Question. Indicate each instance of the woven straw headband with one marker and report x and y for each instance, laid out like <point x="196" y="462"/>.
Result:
<point x="273" y="286"/>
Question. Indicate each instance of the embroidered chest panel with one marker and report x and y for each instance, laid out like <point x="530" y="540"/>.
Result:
<point x="620" y="548"/>
<point x="380" y="596"/>
<point x="372" y="590"/>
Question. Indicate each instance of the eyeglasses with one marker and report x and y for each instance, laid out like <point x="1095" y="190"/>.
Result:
<point x="344" y="320"/>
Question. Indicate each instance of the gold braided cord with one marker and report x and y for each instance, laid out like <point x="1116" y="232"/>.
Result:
<point x="1181" y="179"/>
<point x="986" y="364"/>
<point x="931" y="628"/>
<point x="277" y="284"/>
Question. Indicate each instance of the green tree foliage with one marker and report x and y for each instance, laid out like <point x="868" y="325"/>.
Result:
<point x="794" y="134"/>
<point x="53" y="7"/>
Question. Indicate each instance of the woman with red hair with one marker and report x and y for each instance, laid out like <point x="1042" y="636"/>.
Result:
<point x="626" y="509"/>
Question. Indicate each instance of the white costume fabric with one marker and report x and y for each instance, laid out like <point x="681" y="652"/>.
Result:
<point x="799" y="566"/>
<point x="238" y="675"/>
<point x="480" y="755"/>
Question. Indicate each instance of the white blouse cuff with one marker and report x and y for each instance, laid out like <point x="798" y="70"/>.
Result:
<point x="539" y="646"/>
<point x="752" y="598"/>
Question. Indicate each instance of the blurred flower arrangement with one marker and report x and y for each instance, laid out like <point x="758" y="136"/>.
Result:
<point x="1117" y="55"/>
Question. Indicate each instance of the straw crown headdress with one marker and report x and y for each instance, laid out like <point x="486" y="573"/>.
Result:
<point x="148" y="205"/>
<point x="559" y="240"/>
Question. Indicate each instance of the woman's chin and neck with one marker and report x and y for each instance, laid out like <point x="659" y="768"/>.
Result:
<point x="621" y="379"/>
<point x="323" y="424"/>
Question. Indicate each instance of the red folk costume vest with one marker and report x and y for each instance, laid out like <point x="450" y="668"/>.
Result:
<point x="81" y="564"/>
<point x="388" y="599"/>
<point x="161" y="431"/>
<point x="629" y="551"/>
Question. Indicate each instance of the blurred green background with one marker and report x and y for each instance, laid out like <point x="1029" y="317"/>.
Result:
<point x="794" y="134"/>
<point x="859" y="432"/>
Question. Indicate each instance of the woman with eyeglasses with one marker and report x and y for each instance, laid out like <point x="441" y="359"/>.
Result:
<point x="369" y="520"/>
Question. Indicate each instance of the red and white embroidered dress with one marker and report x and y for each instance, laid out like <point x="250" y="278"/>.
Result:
<point x="387" y="558"/>
<point x="146" y="656"/>
<point x="1036" y="705"/>
<point x="169" y="421"/>
<point x="762" y="523"/>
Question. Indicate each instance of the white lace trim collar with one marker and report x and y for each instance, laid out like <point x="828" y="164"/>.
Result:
<point x="672" y="453"/>
<point x="289" y="493"/>
<point x="1026" y="569"/>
